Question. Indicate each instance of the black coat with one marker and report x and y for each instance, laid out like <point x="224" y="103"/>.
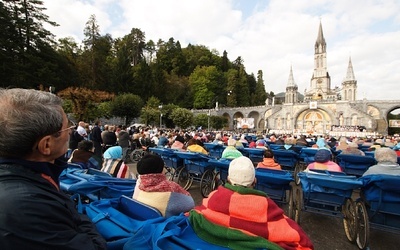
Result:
<point x="34" y="214"/>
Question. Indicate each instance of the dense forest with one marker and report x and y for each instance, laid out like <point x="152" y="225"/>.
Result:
<point x="127" y="76"/>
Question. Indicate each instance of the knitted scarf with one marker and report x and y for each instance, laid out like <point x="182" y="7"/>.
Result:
<point x="244" y="218"/>
<point x="159" y="183"/>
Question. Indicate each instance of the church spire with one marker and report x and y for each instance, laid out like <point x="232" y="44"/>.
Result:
<point x="350" y="73"/>
<point x="320" y="40"/>
<point x="291" y="82"/>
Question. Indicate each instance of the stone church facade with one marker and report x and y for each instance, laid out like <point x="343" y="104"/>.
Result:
<point x="321" y="109"/>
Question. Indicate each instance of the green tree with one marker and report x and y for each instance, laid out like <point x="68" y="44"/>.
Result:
<point x="206" y="84"/>
<point x="260" y="95"/>
<point x="25" y="45"/>
<point x="182" y="117"/>
<point x="201" y="120"/>
<point x="127" y="106"/>
<point x="151" y="113"/>
<point x="218" y="122"/>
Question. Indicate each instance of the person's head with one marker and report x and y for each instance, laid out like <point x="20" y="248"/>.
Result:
<point x="85" y="145"/>
<point x="192" y="142"/>
<point x="290" y="141"/>
<point x="321" y="143"/>
<point x="260" y="143"/>
<point x="111" y="128"/>
<point x="114" y="152"/>
<point x="180" y="139"/>
<point x="268" y="154"/>
<point x="34" y="125"/>
<point x="81" y="124"/>
<point x="385" y="155"/>
<point x="352" y="145"/>
<point x="150" y="164"/>
<point x="231" y="142"/>
<point x="241" y="172"/>
<point x="323" y="155"/>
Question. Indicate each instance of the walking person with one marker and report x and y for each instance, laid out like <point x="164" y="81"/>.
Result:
<point x="96" y="138"/>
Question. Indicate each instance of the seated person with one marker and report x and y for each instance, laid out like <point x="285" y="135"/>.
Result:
<point x="378" y="143"/>
<point x="231" y="152"/>
<point x="261" y="144"/>
<point x="302" y="141"/>
<point x="352" y="149"/>
<point x="323" y="161"/>
<point x="193" y="146"/>
<point x="85" y="154"/>
<point x="321" y="144"/>
<point x="386" y="163"/>
<point x="114" y="164"/>
<point x="269" y="161"/>
<point x="289" y="145"/>
<point x="218" y="139"/>
<point x="342" y="144"/>
<point x="155" y="190"/>
<point x="179" y="143"/>
<point x="239" y="217"/>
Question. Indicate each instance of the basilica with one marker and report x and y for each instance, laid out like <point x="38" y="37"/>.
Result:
<point x="320" y="109"/>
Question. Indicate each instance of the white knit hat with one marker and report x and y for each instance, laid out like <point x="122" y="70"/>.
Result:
<point x="241" y="171"/>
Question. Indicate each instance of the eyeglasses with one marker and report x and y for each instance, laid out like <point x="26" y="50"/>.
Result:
<point x="71" y="127"/>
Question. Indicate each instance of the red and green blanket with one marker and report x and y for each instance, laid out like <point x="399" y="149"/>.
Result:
<point x="244" y="218"/>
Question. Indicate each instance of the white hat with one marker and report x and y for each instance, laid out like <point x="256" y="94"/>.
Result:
<point x="241" y="171"/>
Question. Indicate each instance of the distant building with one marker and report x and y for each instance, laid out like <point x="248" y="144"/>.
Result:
<point x="321" y="109"/>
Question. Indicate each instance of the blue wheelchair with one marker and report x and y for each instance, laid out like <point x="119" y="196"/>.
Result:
<point x="328" y="193"/>
<point x="378" y="206"/>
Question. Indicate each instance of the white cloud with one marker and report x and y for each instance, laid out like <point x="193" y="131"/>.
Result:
<point x="269" y="35"/>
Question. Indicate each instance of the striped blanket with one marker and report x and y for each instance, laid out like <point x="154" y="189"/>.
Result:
<point x="244" y="218"/>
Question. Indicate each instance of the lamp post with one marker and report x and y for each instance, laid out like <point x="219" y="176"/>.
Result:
<point x="160" y="107"/>
<point x="209" y="114"/>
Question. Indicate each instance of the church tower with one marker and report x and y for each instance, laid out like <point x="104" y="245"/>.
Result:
<point x="320" y="88"/>
<point x="291" y="95"/>
<point x="349" y="84"/>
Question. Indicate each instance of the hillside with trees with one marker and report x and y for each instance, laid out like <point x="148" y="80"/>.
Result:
<point x="106" y="76"/>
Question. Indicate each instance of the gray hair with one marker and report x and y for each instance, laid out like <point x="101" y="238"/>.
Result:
<point x="385" y="155"/>
<point x="26" y="116"/>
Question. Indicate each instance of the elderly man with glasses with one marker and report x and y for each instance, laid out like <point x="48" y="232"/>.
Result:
<point x="34" y="213"/>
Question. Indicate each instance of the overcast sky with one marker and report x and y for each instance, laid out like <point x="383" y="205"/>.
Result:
<point x="269" y="35"/>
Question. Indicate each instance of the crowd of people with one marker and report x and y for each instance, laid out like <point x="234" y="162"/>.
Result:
<point x="35" y="214"/>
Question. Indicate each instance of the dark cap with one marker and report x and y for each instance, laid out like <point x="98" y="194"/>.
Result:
<point x="180" y="139"/>
<point x="323" y="155"/>
<point x="150" y="164"/>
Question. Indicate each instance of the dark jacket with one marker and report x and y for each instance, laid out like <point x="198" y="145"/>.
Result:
<point x="74" y="139"/>
<point x="109" y="138"/>
<point x="35" y="214"/>
<point x="96" y="134"/>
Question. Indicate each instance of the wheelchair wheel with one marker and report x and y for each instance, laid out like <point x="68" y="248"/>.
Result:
<point x="184" y="179"/>
<point x="297" y="169"/>
<point x="290" y="204"/>
<point x="207" y="183"/>
<point x="217" y="180"/>
<point x="170" y="173"/>
<point x="135" y="155"/>
<point x="362" y="225"/>
<point x="297" y="204"/>
<point x="350" y="220"/>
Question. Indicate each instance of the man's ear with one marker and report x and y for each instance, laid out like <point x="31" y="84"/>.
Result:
<point x="44" y="145"/>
